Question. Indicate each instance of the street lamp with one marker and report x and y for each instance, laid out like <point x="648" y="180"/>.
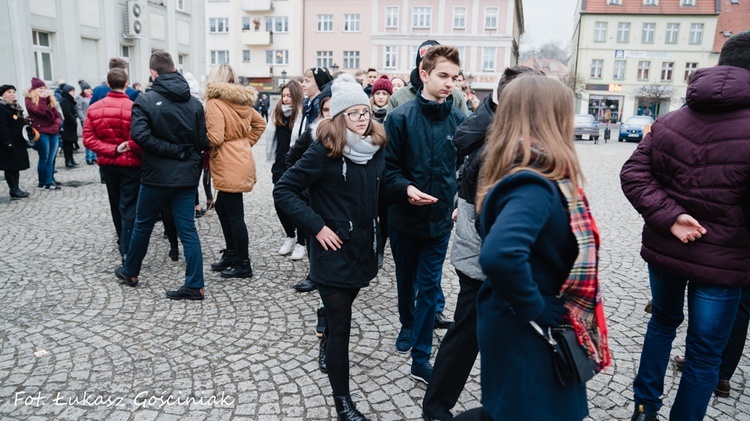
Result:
<point x="469" y="79"/>
<point x="335" y="68"/>
<point x="283" y="78"/>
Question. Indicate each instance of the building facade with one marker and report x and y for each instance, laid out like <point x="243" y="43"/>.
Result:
<point x="74" y="39"/>
<point x="634" y="57"/>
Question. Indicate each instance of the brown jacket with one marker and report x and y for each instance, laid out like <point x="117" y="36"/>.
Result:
<point x="233" y="128"/>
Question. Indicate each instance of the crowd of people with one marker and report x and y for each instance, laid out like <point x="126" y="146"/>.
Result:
<point x="361" y="160"/>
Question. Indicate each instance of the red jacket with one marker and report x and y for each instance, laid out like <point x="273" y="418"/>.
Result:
<point x="44" y="118"/>
<point x="107" y="125"/>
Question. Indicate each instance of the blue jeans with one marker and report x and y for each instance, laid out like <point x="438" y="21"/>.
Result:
<point x="90" y="155"/>
<point x="182" y="201"/>
<point x="46" y="147"/>
<point x="712" y="310"/>
<point x="419" y="266"/>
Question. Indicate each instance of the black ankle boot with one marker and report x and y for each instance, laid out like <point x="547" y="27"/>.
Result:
<point x="174" y="253"/>
<point x="227" y="259"/>
<point x="18" y="193"/>
<point x="240" y="269"/>
<point x="322" y="354"/>
<point x="346" y="410"/>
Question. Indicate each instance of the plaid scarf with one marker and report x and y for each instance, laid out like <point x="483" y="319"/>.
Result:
<point x="581" y="289"/>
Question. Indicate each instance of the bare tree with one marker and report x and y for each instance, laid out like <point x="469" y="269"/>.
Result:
<point x="574" y="81"/>
<point x="549" y="50"/>
<point x="653" y="94"/>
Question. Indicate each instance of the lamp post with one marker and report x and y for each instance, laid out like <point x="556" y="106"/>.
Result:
<point x="469" y="79"/>
<point x="283" y="78"/>
<point x="335" y="68"/>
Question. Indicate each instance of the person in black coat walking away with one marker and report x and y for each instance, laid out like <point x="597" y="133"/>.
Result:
<point x="70" y="123"/>
<point x="13" y="155"/>
<point x="344" y="172"/>
<point x="263" y="104"/>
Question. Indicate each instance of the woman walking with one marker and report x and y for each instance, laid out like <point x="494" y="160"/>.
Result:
<point x="13" y="155"/>
<point x="44" y="117"/>
<point x="344" y="172"/>
<point x="233" y="128"/>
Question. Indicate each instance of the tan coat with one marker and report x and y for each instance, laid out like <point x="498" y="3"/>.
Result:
<point x="233" y="128"/>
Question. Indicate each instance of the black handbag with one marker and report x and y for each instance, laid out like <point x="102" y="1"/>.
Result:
<point x="570" y="359"/>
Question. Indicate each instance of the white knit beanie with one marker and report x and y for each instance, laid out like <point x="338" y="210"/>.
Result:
<point x="345" y="93"/>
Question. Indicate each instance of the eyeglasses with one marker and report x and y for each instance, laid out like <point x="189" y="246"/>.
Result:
<point x="355" y="116"/>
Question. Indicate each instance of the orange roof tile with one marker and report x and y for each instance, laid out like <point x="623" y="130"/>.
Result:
<point x="733" y="18"/>
<point x="636" y="7"/>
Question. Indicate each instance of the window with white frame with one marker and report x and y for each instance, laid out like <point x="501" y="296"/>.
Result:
<point x="218" y="25"/>
<point x="180" y="5"/>
<point x="596" y="68"/>
<point x="246" y="23"/>
<point x="673" y="29"/>
<point x="351" y="59"/>
<point x="351" y="23"/>
<point x="391" y="17"/>
<point x="651" y="2"/>
<point x="246" y="56"/>
<point x="619" y="68"/>
<point x="277" y="23"/>
<point x="325" y="23"/>
<point x="667" y="69"/>
<point x="459" y="17"/>
<point x="623" y="32"/>
<point x="421" y="17"/>
<point x="688" y="2"/>
<point x="690" y="68"/>
<point x="181" y="60"/>
<point x="42" y="46"/>
<point x="277" y="56"/>
<point x="647" y="35"/>
<point x="219" y="57"/>
<point x="390" y="55"/>
<point x="616" y="2"/>
<point x="489" y="59"/>
<point x="324" y="59"/>
<point x="600" y="31"/>
<point x="490" y="17"/>
<point x="696" y="33"/>
<point x="643" y="69"/>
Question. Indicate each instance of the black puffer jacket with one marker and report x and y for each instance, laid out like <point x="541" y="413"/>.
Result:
<point x="70" y="118"/>
<point x="469" y="140"/>
<point x="169" y="125"/>
<point x="13" y="153"/>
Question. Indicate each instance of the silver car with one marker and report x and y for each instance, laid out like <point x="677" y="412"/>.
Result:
<point x="586" y="127"/>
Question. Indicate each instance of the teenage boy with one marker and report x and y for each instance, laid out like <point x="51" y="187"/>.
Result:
<point x="102" y="90"/>
<point x="421" y="167"/>
<point x="372" y="76"/>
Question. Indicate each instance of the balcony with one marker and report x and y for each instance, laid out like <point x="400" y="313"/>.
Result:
<point x="257" y="37"/>
<point x="257" y="5"/>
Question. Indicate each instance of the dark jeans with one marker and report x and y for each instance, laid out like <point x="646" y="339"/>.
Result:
<point x="419" y="266"/>
<point x="123" y="184"/>
<point x="730" y="358"/>
<point x="12" y="178"/>
<point x="151" y="200"/>
<point x="457" y="353"/>
<point x="338" y="304"/>
<point x="231" y="213"/>
<point x="712" y="310"/>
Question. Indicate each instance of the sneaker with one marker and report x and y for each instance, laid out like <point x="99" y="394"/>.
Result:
<point x="185" y="293"/>
<point x="421" y="372"/>
<point x="53" y="187"/>
<point x="288" y="245"/>
<point x="442" y="322"/>
<point x="403" y="342"/>
<point x="299" y="252"/>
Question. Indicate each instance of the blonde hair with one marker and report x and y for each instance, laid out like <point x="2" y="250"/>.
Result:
<point x="222" y="73"/>
<point x="34" y="96"/>
<point x="332" y="133"/>
<point x="532" y="130"/>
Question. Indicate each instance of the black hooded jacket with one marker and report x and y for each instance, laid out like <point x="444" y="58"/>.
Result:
<point x="70" y="118"/>
<point x="169" y="125"/>
<point x="470" y="140"/>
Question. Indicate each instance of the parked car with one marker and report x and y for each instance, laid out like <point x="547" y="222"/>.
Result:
<point x="634" y="128"/>
<point x="586" y="127"/>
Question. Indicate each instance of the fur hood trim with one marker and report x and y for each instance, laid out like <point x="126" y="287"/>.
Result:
<point x="232" y="92"/>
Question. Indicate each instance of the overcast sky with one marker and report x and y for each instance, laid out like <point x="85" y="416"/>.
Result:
<point x="548" y="21"/>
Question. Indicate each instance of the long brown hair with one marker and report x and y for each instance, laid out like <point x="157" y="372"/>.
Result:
<point x="295" y="91"/>
<point x="332" y="133"/>
<point x="532" y="130"/>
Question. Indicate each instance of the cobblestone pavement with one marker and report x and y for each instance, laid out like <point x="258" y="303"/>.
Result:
<point x="75" y="344"/>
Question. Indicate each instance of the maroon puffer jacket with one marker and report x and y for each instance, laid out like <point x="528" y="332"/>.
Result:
<point x="107" y="125"/>
<point x="696" y="160"/>
<point x="44" y="118"/>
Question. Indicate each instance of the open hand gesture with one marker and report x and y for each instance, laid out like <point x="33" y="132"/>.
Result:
<point x="687" y="229"/>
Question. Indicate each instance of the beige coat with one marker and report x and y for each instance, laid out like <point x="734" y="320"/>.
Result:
<point x="233" y="128"/>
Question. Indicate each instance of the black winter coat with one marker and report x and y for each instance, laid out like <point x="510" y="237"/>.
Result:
<point x="70" y="118"/>
<point x="169" y="125"/>
<point x="299" y="148"/>
<point x="13" y="153"/>
<point x="346" y="201"/>
<point x="470" y="140"/>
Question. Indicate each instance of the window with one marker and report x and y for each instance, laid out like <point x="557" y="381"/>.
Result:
<point x="596" y="68"/>
<point x="459" y="17"/>
<point x="623" y="32"/>
<point x="600" y="31"/>
<point x="696" y="33"/>
<point x="277" y="24"/>
<point x="489" y="56"/>
<point x="643" y="68"/>
<point x="277" y="56"/>
<point x="647" y="36"/>
<point x="42" y="54"/>
<point x="181" y="60"/>
<point x="391" y="56"/>
<point x="619" y="73"/>
<point x="325" y="59"/>
<point x="351" y="59"/>
<point x="217" y="25"/>
<point x="650" y="2"/>
<point x="688" y="2"/>
<point x="690" y="68"/>
<point x="414" y="50"/>
<point x="673" y="30"/>
<point x="325" y="23"/>
<point x="246" y="56"/>
<point x="246" y="23"/>
<point x="391" y="17"/>
<point x="461" y="52"/>
<point x="180" y="5"/>
<point x="616" y="2"/>
<point x="351" y="23"/>
<point x="422" y="17"/>
<point x="219" y="57"/>
<point x="490" y="17"/>
<point x="667" y="68"/>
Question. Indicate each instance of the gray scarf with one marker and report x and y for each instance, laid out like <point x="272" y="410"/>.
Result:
<point x="359" y="149"/>
<point x="286" y="110"/>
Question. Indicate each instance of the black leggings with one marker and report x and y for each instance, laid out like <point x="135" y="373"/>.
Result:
<point x="12" y="178"/>
<point x="231" y="213"/>
<point x="338" y="304"/>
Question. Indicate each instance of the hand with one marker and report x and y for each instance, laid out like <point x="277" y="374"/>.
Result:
<point x="123" y="147"/>
<point x="417" y="198"/>
<point x="686" y="228"/>
<point x="328" y="238"/>
<point x="454" y="215"/>
<point x="554" y="312"/>
<point x="44" y="93"/>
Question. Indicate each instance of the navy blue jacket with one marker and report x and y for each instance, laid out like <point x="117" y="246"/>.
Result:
<point x="101" y="91"/>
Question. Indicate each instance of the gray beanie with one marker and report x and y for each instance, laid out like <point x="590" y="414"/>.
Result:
<point x="345" y="93"/>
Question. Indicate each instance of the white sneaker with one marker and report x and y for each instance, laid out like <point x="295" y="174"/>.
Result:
<point x="298" y="253"/>
<point x="286" y="248"/>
